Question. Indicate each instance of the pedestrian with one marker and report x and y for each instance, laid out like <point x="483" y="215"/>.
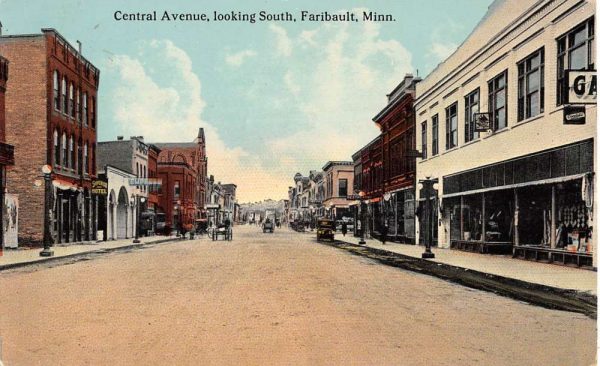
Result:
<point x="384" y="232"/>
<point x="344" y="228"/>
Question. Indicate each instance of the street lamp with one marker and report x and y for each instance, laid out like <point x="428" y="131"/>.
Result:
<point x="46" y="252"/>
<point x="428" y="214"/>
<point x="138" y="220"/>
<point x="361" y="194"/>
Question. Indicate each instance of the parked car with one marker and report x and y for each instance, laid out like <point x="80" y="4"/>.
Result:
<point x="325" y="229"/>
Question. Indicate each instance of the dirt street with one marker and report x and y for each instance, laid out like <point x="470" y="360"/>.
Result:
<point x="270" y="299"/>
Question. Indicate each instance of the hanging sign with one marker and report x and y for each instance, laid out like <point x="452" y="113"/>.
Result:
<point x="574" y="115"/>
<point x="581" y="88"/>
<point x="99" y="187"/>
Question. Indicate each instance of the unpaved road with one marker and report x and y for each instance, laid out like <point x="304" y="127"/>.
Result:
<point x="270" y="299"/>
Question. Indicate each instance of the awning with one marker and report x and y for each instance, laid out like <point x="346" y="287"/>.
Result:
<point x="64" y="185"/>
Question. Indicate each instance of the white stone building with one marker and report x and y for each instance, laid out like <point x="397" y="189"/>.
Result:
<point x="120" y="204"/>
<point x="525" y="183"/>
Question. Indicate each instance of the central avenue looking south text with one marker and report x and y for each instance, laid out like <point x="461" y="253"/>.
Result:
<point x="261" y="16"/>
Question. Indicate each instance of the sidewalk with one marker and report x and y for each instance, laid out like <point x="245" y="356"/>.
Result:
<point x="12" y="257"/>
<point x="568" y="278"/>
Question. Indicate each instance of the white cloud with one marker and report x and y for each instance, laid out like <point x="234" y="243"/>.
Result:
<point x="171" y="111"/>
<point x="441" y="50"/>
<point x="237" y="59"/>
<point x="283" y="44"/>
<point x="344" y="84"/>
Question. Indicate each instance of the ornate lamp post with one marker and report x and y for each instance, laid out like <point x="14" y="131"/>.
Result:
<point x="46" y="252"/>
<point x="428" y="214"/>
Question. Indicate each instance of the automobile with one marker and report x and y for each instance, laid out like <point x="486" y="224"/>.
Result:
<point x="325" y="229"/>
<point x="268" y="226"/>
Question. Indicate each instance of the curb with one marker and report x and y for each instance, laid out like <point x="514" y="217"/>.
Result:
<point x="532" y="293"/>
<point x="5" y="267"/>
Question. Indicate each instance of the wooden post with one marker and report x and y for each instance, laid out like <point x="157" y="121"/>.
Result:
<point x="516" y="218"/>
<point x="553" y="219"/>
<point x="483" y="217"/>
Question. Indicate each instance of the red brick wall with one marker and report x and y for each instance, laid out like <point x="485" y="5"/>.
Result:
<point x="26" y="122"/>
<point x="169" y="173"/>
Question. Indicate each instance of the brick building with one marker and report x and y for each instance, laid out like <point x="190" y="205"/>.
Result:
<point x="6" y="150"/>
<point x="51" y="119"/>
<point x="338" y="180"/>
<point x="177" y="198"/>
<point x="194" y="154"/>
<point x="396" y="122"/>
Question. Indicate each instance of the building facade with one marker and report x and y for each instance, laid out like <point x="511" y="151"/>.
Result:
<point x="117" y="211"/>
<point x="7" y="157"/>
<point x="51" y="119"/>
<point x="338" y="179"/>
<point x="397" y="125"/>
<point x="520" y="176"/>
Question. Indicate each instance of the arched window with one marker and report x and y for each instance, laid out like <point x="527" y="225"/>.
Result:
<point x="56" y="91"/>
<point x="71" y="101"/>
<point x="65" y="158"/>
<point x="56" y="149"/>
<point x="85" y="109"/>
<point x="71" y="153"/>
<point x="65" y="101"/>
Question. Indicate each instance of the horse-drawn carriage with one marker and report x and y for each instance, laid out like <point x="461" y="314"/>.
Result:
<point x="225" y="232"/>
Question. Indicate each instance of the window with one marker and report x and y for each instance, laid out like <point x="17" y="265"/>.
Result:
<point x="71" y="101"/>
<point x="85" y="157"/>
<point x="93" y="118"/>
<point x="471" y="107"/>
<point x="78" y="105"/>
<point x="451" y="126"/>
<point x="435" y="132"/>
<point x="424" y="139"/>
<point x="56" y="149"/>
<point x="531" y="85"/>
<point x="176" y="189"/>
<point x="56" y="91"/>
<point x="71" y="154"/>
<point x="65" y="101"/>
<point x="343" y="187"/>
<point x="497" y="101"/>
<point x="576" y="51"/>
<point x="65" y="157"/>
<point x="85" y="109"/>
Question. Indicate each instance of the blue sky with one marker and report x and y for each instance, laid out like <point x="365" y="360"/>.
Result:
<point x="274" y="98"/>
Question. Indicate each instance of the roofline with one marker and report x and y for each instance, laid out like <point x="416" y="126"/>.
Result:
<point x="338" y="162"/>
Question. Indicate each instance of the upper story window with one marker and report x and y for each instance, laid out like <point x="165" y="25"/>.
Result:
<point x="56" y="149"/>
<point x="77" y="105"/>
<point x="84" y="113"/>
<point x="65" y="101"/>
<point x="56" y="87"/>
<point x="176" y="189"/>
<point x="343" y="187"/>
<point x="71" y="154"/>
<point x="531" y="85"/>
<point x="452" y="126"/>
<point x="424" y="139"/>
<point x="85" y="158"/>
<point x="471" y="107"/>
<point x="65" y="156"/>
<point x="71" y="101"/>
<point x="576" y="51"/>
<point x="435" y="132"/>
<point x="497" y="101"/>
<point x="93" y="117"/>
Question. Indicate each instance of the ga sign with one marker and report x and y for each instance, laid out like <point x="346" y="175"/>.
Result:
<point x="582" y="87"/>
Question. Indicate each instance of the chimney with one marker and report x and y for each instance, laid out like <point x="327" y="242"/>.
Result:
<point x="119" y="138"/>
<point x="79" y="47"/>
<point x="0" y="28"/>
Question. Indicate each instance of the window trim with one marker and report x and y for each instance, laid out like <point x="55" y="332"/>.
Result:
<point x="492" y="93"/>
<point x="449" y="131"/>
<point x="471" y="134"/>
<point x="523" y="82"/>
<point x="435" y="137"/>
<point x="424" y="139"/>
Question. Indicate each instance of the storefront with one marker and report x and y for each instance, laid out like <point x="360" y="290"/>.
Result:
<point x="399" y="213"/>
<point x="537" y="207"/>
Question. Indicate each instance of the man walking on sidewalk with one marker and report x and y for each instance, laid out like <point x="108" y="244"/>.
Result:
<point x="384" y="232"/>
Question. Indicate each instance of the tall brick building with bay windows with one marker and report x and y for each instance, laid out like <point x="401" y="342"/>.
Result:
<point x="51" y="119"/>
